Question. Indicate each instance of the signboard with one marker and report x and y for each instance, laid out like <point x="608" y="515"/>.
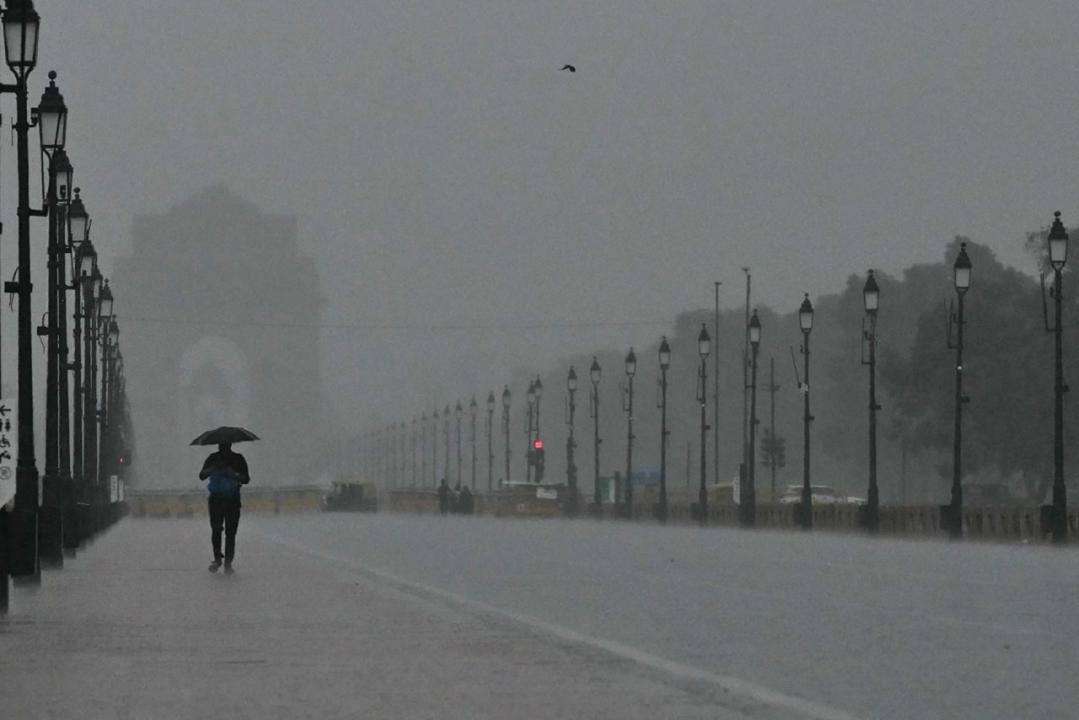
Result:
<point x="114" y="489"/>
<point x="9" y="450"/>
<point x="543" y="493"/>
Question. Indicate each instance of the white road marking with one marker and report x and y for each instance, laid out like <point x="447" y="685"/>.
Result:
<point x="733" y="685"/>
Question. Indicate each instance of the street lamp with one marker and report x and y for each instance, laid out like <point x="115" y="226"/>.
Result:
<point x="434" y="449"/>
<point x="571" y="443"/>
<point x="412" y="453"/>
<point x="506" y="428"/>
<point x="20" y="24"/>
<point x="664" y="363"/>
<point x="961" y="274"/>
<point x="704" y="348"/>
<point x="1058" y="256"/>
<point x="423" y="449"/>
<point x="457" y="412"/>
<point x="64" y="173"/>
<point x="51" y="116"/>
<point x="530" y="396"/>
<point x="748" y="499"/>
<point x="631" y="370"/>
<point x="594" y="373"/>
<point x="92" y="290"/>
<point x="472" y="407"/>
<point x="805" y="322"/>
<point x="85" y="262"/>
<point x="446" y="439"/>
<point x="490" y="440"/>
<point x="539" y="394"/>
<point x="871" y="301"/>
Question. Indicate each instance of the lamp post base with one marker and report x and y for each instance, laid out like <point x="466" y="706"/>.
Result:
<point x="22" y="546"/>
<point x="50" y="524"/>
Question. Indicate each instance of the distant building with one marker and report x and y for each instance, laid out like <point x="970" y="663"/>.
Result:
<point x="218" y="312"/>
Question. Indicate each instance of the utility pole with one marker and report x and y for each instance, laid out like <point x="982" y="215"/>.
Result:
<point x="745" y="381"/>
<point x="715" y="392"/>
<point x="571" y="442"/>
<point x="506" y="428"/>
<point x="631" y="370"/>
<point x="593" y="407"/>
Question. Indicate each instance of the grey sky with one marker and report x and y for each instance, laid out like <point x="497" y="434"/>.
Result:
<point x="445" y="172"/>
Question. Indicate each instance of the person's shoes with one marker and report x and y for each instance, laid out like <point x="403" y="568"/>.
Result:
<point x="228" y="567"/>
<point x="214" y="566"/>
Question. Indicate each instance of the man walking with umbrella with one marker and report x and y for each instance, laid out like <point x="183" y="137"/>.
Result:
<point x="225" y="472"/>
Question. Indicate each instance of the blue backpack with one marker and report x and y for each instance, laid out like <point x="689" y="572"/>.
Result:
<point x="223" y="483"/>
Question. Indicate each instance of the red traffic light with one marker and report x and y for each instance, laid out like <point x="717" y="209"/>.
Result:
<point x="538" y="445"/>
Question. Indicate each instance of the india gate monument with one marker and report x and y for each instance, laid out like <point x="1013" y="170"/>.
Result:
<point x="221" y="310"/>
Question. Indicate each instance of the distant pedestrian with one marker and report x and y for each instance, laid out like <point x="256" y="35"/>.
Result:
<point x="443" y="497"/>
<point x="464" y="501"/>
<point x="225" y="471"/>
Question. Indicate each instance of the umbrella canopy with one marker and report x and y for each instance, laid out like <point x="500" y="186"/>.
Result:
<point x="224" y="434"/>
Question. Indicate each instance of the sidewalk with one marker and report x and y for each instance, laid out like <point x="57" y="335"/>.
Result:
<point x="135" y="627"/>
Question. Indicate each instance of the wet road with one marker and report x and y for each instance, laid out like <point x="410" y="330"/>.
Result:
<point x="874" y="628"/>
<point x="403" y="616"/>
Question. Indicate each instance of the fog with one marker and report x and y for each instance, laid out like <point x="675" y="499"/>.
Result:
<point x="472" y="211"/>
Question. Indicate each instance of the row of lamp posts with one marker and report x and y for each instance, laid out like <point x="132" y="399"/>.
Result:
<point x="86" y="443"/>
<point x="1055" y="514"/>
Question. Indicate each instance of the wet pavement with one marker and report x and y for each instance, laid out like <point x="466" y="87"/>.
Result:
<point x="382" y="616"/>
<point x="135" y="627"/>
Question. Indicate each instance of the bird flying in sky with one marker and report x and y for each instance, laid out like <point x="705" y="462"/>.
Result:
<point x="568" y="67"/>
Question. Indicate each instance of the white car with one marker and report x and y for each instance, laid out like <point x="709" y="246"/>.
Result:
<point x="822" y="494"/>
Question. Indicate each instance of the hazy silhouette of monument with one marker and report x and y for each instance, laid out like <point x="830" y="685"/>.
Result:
<point x="218" y="314"/>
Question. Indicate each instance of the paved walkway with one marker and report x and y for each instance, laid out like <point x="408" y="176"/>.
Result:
<point x="135" y="627"/>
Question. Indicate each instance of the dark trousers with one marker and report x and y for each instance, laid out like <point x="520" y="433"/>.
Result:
<point x="224" y="511"/>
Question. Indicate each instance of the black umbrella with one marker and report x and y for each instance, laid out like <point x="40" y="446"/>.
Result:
<point x="224" y="434"/>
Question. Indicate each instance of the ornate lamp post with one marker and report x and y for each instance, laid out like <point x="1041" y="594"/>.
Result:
<point x="20" y="25"/>
<point x="871" y="300"/>
<point x="490" y="441"/>
<point x="51" y="117"/>
<point x="1058" y="257"/>
<point x="538" y="388"/>
<point x="805" y="320"/>
<point x="664" y="363"/>
<point x="110" y="337"/>
<point x="506" y="428"/>
<point x="748" y="499"/>
<point x="472" y="408"/>
<point x="530" y="396"/>
<point x="961" y="273"/>
<point x="704" y="348"/>
<point x="434" y="449"/>
<point x="571" y="443"/>
<point x="446" y="442"/>
<point x="631" y="370"/>
<point x="412" y="452"/>
<point x="71" y="534"/>
<point x="457" y="413"/>
<point x="84" y="268"/>
<point x="423" y="449"/>
<point x="594" y="373"/>
<point x="92" y="289"/>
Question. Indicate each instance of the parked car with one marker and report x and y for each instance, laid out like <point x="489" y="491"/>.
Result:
<point x="822" y="494"/>
<point x="351" y="497"/>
